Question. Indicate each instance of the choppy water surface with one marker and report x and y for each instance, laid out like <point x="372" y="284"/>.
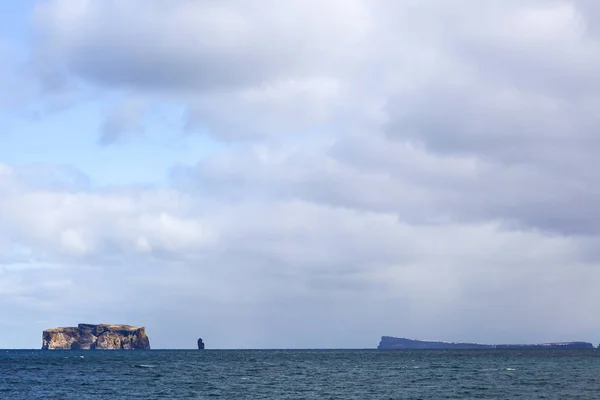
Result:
<point x="301" y="374"/>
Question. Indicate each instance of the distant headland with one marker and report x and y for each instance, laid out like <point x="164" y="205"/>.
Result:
<point x="395" y="343"/>
<point x="96" y="337"/>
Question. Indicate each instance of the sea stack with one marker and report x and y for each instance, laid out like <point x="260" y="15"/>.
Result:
<point x="200" y="344"/>
<point x="96" y="337"/>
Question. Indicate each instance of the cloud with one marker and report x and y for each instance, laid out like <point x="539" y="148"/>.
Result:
<point x="185" y="46"/>
<point x="290" y="106"/>
<point x="269" y="68"/>
<point x="126" y="118"/>
<point x="415" y="168"/>
<point x="254" y="255"/>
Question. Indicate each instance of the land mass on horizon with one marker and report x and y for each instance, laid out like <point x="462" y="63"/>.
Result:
<point x="96" y="337"/>
<point x="396" y="343"/>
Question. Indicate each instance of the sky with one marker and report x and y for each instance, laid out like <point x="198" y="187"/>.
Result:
<point x="301" y="174"/>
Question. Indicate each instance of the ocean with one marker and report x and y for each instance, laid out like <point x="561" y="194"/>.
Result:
<point x="300" y="374"/>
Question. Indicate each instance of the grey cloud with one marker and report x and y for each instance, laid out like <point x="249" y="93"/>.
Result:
<point x="266" y="111"/>
<point x="179" y="45"/>
<point x="273" y="70"/>
<point x="551" y="141"/>
<point x="416" y="186"/>
<point x="319" y="260"/>
<point x="521" y="105"/>
<point x="401" y="177"/>
<point x="536" y="167"/>
<point x="125" y="119"/>
<point x="30" y="88"/>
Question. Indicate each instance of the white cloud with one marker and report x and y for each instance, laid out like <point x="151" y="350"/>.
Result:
<point x="265" y="111"/>
<point x="419" y="168"/>
<point x="255" y="255"/>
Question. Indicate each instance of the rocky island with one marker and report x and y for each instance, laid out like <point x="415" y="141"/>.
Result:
<point x="394" y="343"/>
<point x="96" y="337"/>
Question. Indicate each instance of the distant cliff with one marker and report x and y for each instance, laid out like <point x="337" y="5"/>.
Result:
<point x="394" y="343"/>
<point x="95" y="337"/>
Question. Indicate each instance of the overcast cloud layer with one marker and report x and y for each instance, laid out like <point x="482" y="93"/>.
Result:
<point x="423" y="168"/>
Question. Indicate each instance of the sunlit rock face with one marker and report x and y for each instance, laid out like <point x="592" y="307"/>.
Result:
<point x="96" y="337"/>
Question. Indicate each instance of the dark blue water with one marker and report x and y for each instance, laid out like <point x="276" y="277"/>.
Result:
<point x="303" y="374"/>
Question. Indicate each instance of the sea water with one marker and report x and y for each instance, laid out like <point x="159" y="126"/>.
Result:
<point x="300" y="374"/>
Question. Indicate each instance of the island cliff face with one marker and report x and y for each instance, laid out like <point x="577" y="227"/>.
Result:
<point x="394" y="343"/>
<point x="95" y="337"/>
